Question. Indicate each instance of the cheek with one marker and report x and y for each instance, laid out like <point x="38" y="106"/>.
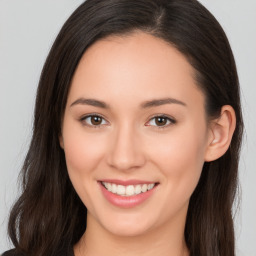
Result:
<point x="83" y="151"/>
<point x="180" y="157"/>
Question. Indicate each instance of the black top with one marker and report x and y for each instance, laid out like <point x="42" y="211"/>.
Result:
<point x="65" y="252"/>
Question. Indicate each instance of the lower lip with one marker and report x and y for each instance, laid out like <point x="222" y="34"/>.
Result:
<point x="126" y="201"/>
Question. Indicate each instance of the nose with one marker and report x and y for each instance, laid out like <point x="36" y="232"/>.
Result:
<point x="125" y="151"/>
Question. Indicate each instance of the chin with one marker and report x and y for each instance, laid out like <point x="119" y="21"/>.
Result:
<point x="127" y="231"/>
<point x="128" y="227"/>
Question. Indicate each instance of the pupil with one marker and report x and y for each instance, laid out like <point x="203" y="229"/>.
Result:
<point x="96" y="120"/>
<point x="160" y="121"/>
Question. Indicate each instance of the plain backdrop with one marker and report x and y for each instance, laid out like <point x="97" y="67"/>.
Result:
<point x="27" y="30"/>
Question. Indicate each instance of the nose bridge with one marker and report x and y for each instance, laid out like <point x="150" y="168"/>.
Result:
<point x="126" y="150"/>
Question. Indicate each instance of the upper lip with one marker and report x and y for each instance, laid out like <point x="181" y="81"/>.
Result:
<point x="127" y="182"/>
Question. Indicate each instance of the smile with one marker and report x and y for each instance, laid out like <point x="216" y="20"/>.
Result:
<point x="129" y="190"/>
<point x="127" y="194"/>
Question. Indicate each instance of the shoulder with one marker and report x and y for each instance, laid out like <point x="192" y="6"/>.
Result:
<point x="11" y="253"/>
<point x="65" y="252"/>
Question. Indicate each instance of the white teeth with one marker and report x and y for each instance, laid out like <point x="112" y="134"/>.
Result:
<point x="138" y="189"/>
<point x="120" y="189"/>
<point x="114" y="188"/>
<point x="109" y="187"/>
<point x="144" y="188"/>
<point x="129" y="190"/>
<point x="150" y="186"/>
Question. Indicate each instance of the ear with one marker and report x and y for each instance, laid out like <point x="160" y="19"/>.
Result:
<point x="221" y="131"/>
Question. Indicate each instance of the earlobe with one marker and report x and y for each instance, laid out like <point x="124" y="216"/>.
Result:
<point x="221" y="132"/>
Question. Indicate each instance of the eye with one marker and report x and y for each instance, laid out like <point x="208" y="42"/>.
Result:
<point x="160" y="121"/>
<point x="93" y="120"/>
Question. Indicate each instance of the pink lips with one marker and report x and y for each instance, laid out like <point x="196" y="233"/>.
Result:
<point x="126" y="201"/>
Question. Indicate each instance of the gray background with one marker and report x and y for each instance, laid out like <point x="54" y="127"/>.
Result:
<point x="27" y="30"/>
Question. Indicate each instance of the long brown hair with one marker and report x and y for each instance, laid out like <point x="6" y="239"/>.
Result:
<point x="49" y="215"/>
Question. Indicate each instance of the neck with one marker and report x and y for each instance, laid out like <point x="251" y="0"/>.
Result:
<point x="164" y="241"/>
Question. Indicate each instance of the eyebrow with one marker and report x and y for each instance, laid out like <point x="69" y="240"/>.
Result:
<point x="146" y="104"/>
<point x="91" y="102"/>
<point x="160" y="102"/>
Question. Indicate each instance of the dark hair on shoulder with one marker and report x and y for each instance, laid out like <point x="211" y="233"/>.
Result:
<point x="49" y="216"/>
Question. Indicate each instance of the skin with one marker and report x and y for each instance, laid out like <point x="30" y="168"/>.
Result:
<point x="125" y="73"/>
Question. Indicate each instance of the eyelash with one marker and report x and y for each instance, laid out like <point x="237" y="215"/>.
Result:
<point x="167" y="118"/>
<point x="83" y="120"/>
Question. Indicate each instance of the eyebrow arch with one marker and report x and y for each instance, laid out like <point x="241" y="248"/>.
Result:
<point x="146" y="104"/>
<point x="91" y="102"/>
<point x="160" y="102"/>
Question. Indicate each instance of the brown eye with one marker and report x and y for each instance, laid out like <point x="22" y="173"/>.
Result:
<point x="94" y="120"/>
<point x="161" y="121"/>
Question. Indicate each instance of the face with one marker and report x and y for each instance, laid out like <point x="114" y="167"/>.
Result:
<point x="134" y="134"/>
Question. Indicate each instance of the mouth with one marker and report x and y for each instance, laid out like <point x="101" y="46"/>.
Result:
<point x="128" y="190"/>
<point x="127" y="194"/>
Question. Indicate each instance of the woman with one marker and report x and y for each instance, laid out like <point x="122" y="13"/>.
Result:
<point x="136" y="136"/>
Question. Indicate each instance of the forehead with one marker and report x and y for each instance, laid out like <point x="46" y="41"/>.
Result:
<point x="136" y="67"/>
